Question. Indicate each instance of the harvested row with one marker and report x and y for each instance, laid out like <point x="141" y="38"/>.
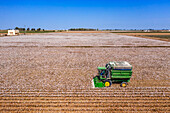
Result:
<point x="110" y="89"/>
<point x="77" y="99"/>
<point x="104" y="94"/>
<point x="87" y="100"/>
<point x="91" y="106"/>
<point x="161" y="92"/>
<point x="87" y="106"/>
<point x="104" y="46"/>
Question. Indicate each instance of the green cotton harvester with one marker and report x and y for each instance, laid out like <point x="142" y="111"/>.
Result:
<point x="113" y="72"/>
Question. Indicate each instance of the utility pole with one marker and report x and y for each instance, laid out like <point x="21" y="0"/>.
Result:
<point x="25" y="30"/>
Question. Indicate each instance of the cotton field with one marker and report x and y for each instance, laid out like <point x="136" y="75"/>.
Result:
<point x="62" y="65"/>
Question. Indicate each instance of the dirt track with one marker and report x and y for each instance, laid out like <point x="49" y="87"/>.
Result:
<point x="53" y="72"/>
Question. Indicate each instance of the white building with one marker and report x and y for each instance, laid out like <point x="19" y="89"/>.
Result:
<point x="147" y="30"/>
<point x="13" y="32"/>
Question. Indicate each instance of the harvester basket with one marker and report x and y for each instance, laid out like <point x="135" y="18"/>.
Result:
<point x="97" y="82"/>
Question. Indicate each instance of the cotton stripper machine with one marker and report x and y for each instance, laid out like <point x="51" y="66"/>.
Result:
<point x="113" y="72"/>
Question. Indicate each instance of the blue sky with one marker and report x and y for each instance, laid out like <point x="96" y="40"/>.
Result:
<point x="102" y="14"/>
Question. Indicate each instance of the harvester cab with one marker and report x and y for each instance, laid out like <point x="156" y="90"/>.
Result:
<point x="119" y="72"/>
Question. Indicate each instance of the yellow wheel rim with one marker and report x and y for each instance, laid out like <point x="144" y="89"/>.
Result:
<point x="107" y="84"/>
<point x="124" y="85"/>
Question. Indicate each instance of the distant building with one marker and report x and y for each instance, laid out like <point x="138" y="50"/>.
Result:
<point x="13" y="32"/>
<point x="147" y="30"/>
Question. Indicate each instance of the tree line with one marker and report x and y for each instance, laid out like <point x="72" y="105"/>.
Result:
<point x="29" y="29"/>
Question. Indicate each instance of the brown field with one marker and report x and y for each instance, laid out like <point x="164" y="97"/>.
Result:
<point x="53" y="73"/>
<point x="146" y="35"/>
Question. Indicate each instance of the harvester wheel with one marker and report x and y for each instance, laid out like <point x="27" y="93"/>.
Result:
<point x="123" y="84"/>
<point x="107" y="83"/>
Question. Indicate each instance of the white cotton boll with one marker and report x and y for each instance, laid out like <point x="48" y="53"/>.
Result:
<point x="39" y="64"/>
